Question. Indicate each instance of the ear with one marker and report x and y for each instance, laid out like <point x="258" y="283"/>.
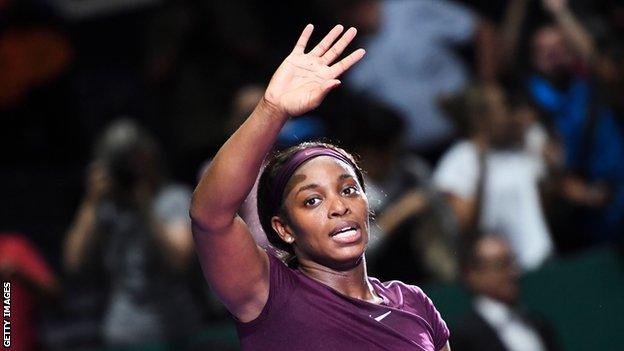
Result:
<point x="282" y="228"/>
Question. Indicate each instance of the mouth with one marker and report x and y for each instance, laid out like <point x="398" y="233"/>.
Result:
<point x="346" y="233"/>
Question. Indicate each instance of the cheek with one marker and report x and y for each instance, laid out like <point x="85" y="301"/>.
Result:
<point x="365" y="199"/>
<point x="364" y="209"/>
<point x="308" y="223"/>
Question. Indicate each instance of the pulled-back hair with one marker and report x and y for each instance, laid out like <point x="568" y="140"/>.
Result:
<point x="267" y="182"/>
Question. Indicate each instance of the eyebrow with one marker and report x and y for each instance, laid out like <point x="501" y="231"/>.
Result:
<point x="314" y="185"/>
<point x="307" y="187"/>
<point x="345" y="176"/>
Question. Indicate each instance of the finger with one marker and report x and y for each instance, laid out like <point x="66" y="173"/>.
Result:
<point x="303" y="39"/>
<point x="341" y="66"/>
<point x="339" y="46"/>
<point x="326" y="43"/>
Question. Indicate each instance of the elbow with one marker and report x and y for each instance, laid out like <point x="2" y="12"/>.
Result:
<point x="198" y="212"/>
<point x="206" y="219"/>
<point x="199" y="218"/>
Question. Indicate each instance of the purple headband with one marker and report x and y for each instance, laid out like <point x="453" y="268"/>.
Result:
<point x="287" y="170"/>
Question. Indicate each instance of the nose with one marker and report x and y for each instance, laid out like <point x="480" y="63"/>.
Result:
<point x="338" y="207"/>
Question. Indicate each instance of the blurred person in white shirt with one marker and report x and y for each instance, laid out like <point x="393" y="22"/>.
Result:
<point x="491" y="179"/>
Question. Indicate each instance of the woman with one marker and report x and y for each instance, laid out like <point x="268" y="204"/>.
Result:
<point x="311" y="202"/>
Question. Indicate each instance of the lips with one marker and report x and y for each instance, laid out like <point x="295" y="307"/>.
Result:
<point x="346" y="232"/>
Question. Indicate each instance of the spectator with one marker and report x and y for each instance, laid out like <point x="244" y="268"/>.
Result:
<point x="31" y="281"/>
<point x="138" y="221"/>
<point x="497" y="322"/>
<point x="491" y="179"/>
<point x="574" y="84"/>
<point x="412" y="61"/>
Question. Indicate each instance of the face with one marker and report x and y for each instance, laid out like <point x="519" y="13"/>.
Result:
<point x="550" y="53"/>
<point x="495" y="274"/>
<point x="327" y="214"/>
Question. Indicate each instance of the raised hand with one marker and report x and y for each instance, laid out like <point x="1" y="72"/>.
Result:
<point x="98" y="182"/>
<point x="303" y="80"/>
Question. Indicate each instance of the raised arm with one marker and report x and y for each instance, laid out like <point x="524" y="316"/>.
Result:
<point x="234" y="266"/>
<point x="580" y="40"/>
<point x="81" y="237"/>
<point x="512" y="25"/>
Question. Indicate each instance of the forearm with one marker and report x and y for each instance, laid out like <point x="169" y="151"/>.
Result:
<point x="233" y="171"/>
<point x="486" y="55"/>
<point x="577" y="36"/>
<point x="80" y="238"/>
<point x="514" y="17"/>
<point x="299" y="85"/>
<point x="465" y="211"/>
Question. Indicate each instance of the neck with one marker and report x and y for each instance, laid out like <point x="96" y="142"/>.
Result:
<point x="352" y="282"/>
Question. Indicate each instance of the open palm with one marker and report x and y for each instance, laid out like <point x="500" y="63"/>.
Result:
<point x="303" y="80"/>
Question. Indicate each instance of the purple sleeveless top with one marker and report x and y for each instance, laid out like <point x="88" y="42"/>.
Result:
<point x="303" y="314"/>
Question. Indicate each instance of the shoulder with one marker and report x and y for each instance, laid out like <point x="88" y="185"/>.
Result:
<point x="282" y="282"/>
<point x="405" y="296"/>
<point x="403" y="288"/>
<point x="459" y="165"/>
<point x="459" y="154"/>
<point x="412" y="299"/>
<point x="276" y="262"/>
<point x="461" y="149"/>
<point x="281" y="277"/>
<point x="414" y="294"/>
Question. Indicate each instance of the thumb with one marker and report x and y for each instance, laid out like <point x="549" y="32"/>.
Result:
<point x="324" y="89"/>
<point x="328" y="86"/>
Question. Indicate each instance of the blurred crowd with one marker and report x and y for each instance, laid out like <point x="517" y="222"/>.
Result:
<point x="491" y="133"/>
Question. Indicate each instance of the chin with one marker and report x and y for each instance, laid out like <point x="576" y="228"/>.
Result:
<point x="348" y="259"/>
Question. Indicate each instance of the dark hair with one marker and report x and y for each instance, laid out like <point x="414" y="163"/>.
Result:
<point x="467" y="108"/>
<point x="267" y="182"/>
<point x="130" y="154"/>
<point x="469" y="258"/>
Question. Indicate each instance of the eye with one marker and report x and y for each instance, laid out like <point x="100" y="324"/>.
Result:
<point x="311" y="202"/>
<point x="350" y="190"/>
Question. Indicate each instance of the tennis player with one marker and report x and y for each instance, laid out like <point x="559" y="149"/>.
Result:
<point x="312" y="204"/>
